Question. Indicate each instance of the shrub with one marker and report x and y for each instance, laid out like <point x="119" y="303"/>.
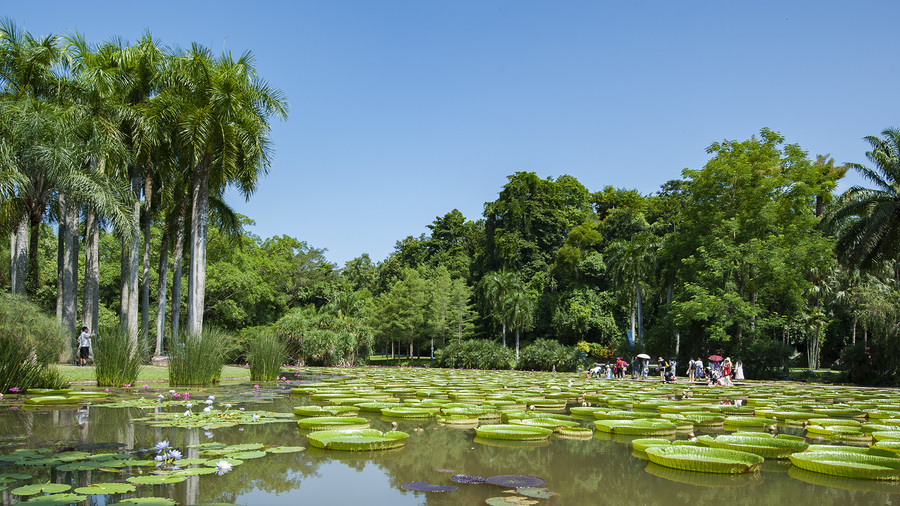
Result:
<point x="475" y="354"/>
<point x="596" y="351"/>
<point x="117" y="358"/>
<point x="547" y="355"/>
<point x="266" y="354"/>
<point x="197" y="359"/>
<point x="30" y="342"/>
<point x="318" y="338"/>
<point x="767" y="359"/>
<point x="857" y="364"/>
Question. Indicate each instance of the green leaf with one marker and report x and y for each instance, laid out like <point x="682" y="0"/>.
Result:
<point x="286" y="449"/>
<point x="157" y="479"/>
<point x="55" y="500"/>
<point x="37" y="488"/>
<point x="106" y="488"/>
<point x="707" y="460"/>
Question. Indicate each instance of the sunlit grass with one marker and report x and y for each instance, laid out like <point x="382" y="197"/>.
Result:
<point x="148" y="374"/>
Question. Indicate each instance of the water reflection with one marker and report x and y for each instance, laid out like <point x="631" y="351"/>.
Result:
<point x="599" y="470"/>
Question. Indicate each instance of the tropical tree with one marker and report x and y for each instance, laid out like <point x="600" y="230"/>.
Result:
<point x="222" y="111"/>
<point x="497" y="287"/>
<point x="520" y="307"/>
<point x="866" y="221"/>
<point x="632" y="262"/>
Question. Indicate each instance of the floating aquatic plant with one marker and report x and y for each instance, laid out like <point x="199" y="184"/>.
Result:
<point x="421" y="486"/>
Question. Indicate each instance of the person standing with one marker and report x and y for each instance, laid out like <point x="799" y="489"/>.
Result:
<point x="738" y="370"/>
<point x="661" y="367"/>
<point x="84" y="346"/>
<point x="691" y="368"/>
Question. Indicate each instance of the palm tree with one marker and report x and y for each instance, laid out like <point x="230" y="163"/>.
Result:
<point x="520" y="307"/>
<point x="222" y="111"/>
<point x="866" y="221"/>
<point x="631" y="263"/>
<point x="497" y="287"/>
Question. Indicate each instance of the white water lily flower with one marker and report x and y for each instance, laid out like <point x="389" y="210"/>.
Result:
<point x="255" y="417"/>
<point x="187" y="413"/>
<point x="208" y="401"/>
<point x="174" y="454"/>
<point x="222" y="467"/>
<point x="208" y="434"/>
<point x="207" y="409"/>
<point x="162" y="446"/>
<point x="212" y="397"/>
<point x="189" y="405"/>
<point x="228" y="405"/>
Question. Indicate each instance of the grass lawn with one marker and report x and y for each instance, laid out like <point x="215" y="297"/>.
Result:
<point x="148" y="374"/>
<point x="399" y="361"/>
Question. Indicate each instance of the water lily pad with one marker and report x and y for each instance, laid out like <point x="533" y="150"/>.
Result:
<point x="537" y="493"/>
<point x="515" y="481"/>
<point x="55" y="500"/>
<point x="357" y="440"/>
<point x="196" y="471"/>
<point x="247" y="455"/>
<point x="38" y="488"/>
<point x="11" y="477"/>
<point x="513" y="432"/>
<point x="848" y="465"/>
<point x="148" y="501"/>
<point x="514" y="499"/>
<point x="706" y="460"/>
<point x="766" y="447"/>
<point x="467" y="479"/>
<point x="333" y="422"/>
<point x="421" y="486"/>
<point x="157" y="479"/>
<point x="286" y="449"/>
<point x="243" y="447"/>
<point x="106" y="488"/>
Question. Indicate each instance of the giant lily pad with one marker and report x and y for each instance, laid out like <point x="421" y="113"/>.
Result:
<point x="849" y="465"/>
<point x="513" y="432"/>
<point x="706" y="460"/>
<point x="766" y="447"/>
<point x="333" y="422"/>
<point x="637" y="427"/>
<point x="357" y="439"/>
<point x="467" y="479"/>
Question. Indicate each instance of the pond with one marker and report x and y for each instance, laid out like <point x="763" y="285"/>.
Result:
<point x="600" y="469"/>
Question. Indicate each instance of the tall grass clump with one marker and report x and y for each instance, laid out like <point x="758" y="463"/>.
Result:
<point x="266" y="354"/>
<point x="117" y="358"/>
<point x="30" y="345"/>
<point x="196" y="360"/>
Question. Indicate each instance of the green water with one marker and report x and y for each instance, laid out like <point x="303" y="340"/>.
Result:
<point x="592" y="471"/>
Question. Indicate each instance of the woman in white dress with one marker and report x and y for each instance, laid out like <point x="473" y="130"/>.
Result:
<point x="738" y="370"/>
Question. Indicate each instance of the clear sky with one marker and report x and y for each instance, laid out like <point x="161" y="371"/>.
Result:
<point x="402" y="110"/>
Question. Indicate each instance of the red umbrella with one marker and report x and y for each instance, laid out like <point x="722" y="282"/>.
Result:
<point x="715" y="358"/>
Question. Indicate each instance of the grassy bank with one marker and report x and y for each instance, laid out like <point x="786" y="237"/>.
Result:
<point x="148" y="374"/>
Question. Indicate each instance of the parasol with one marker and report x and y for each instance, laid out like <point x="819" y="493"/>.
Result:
<point x="643" y="356"/>
<point x="715" y="358"/>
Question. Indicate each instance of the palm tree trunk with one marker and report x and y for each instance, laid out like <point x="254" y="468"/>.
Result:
<point x="19" y="256"/>
<point x="145" y="278"/>
<point x="640" y="315"/>
<point x="91" y="306"/>
<point x="134" y="248"/>
<point x="504" y="334"/>
<point x="517" y="344"/>
<point x="177" y="262"/>
<point x="69" y="278"/>
<point x="161" y="290"/>
<point x="199" y="223"/>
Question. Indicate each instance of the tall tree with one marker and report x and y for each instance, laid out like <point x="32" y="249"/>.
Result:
<point x="866" y="221"/>
<point x="632" y="262"/>
<point x="497" y="287"/>
<point x="222" y="110"/>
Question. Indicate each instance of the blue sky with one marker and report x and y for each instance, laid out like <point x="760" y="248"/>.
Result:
<point x="403" y="110"/>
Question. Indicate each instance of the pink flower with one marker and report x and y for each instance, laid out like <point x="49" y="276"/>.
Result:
<point x="14" y="389"/>
<point x="106" y="390"/>
<point x="176" y="395"/>
<point x="256" y="387"/>
<point x="146" y="386"/>
<point x="187" y="395"/>
<point x="127" y="385"/>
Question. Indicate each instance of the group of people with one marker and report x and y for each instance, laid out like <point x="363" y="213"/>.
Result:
<point x="716" y="372"/>
<point x="722" y="373"/>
